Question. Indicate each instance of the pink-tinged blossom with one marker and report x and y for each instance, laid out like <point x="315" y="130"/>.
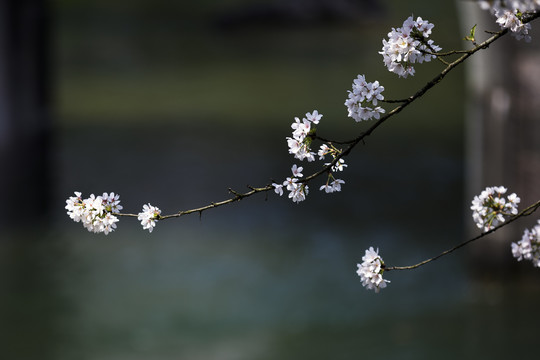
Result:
<point x="290" y="183"/>
<point x="112" y="202"/>
<point x="314" y="117"/>
<point x="295" y="146"/>
<point x="301" y="128"/>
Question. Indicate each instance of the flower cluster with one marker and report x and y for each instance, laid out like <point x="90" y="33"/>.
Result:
<point x="362" y="101"/>
<point x="332" y="184"/>
<point x="509" y="15"/>
<point x="297" y="190"/>
<point x="300" y="143"/>
<point x="528" y="247"/>
<point x="407" y="45"/>
<point x="300" y="146"/>
<point x="371" y="270"/>
<point x="95" y="212"/>
<point x="149" y="216"/>
<point x="490" y="208"/>
<point x="508" y="19"/>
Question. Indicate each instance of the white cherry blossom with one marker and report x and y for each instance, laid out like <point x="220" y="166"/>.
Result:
<point x="149" y="216"/>
<point x="371" y="270"/>
<point x="95" y="212"/>
<point x="363" y="98"/>
<point x="491" y="208"/>
<point x="407" y="45"/>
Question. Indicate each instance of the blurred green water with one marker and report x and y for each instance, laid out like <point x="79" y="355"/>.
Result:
<point x="174" y="115"/>
<point x="180" y="66"/>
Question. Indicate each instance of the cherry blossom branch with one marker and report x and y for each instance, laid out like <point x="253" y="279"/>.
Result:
<point x="429" y="85"/>
<point x="526" y="212"/>
<point x="353" y="142"/>
<point x="405" y="46"/>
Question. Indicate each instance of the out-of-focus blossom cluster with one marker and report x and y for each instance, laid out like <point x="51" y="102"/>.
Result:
<point x="490" y="208"/>
<point x="528" y="247"/>
<point x="363" y="99"/>
<point x="407" y="45"/>
<point x="509" y="14"/>
<point x="521" y="5"/>
<point x="149" y="216"/>
<point x="96" y="213"/>
<point x="371" y="270"/>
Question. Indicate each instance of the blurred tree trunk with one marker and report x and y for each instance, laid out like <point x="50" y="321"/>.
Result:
<point x="24" y="111"/>
<point x="502" y="126"/>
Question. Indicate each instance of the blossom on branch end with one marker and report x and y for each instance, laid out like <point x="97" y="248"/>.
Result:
<point x="371" y="270"/>
<point x="490" y="208"/>
<point x="95" y="212"/>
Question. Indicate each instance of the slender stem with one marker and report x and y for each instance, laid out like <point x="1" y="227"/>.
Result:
<point x="237" y="197"/>
<point x="528" y="211"/>
<point x="315" y="136"/>
<point x="443" y="61"/>
<point x="395" y="101"/>
<point x="448" y="53"/>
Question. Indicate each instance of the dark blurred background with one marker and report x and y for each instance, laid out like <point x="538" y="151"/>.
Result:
<point x="172" y="103"/>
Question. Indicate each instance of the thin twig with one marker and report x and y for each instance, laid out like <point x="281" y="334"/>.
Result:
<point x="395" y="101"/>
<point x="448" y="53"/>
<point x="528" y="211"/>
<point x="237" y="197"/>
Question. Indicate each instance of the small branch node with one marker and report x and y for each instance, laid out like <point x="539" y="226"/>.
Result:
<point x="235" y="193"/>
